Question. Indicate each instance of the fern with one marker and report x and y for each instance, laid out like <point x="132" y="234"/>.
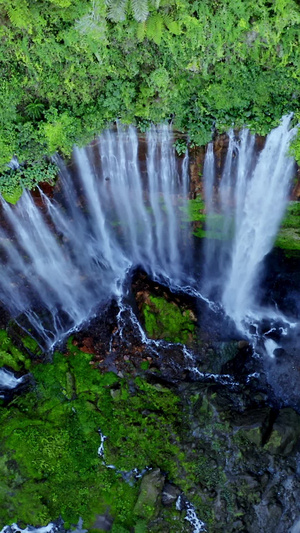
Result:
<point x="140" y="10"/>
<point x="141" y="31"/>
<point x="154" y="27"/>
<point x="116" y="10"/>
<point x="93" y="22"/>
<point x="19" y="16"/>
<point x="172" y="25"/>
<point x="35" y="110"/>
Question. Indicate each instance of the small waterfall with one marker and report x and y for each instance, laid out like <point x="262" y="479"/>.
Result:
<point x="111" y="213"/>
<point x="8" y="380"/>
<point x="253" y="194"/>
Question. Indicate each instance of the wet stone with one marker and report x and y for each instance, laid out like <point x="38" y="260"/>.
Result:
<point x="170" y="494"/>
<point x="103" y="522"/>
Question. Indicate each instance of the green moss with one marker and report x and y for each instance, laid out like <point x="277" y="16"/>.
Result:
<point x="10" y="355"/>
<point x="165" y="320"/>
<point x="211" y="227"/>
<point x="49" y="464"/>
<point x="49" y="438"/>
<point x="31" y="345"/>
<point x="288" y="237"/>
<point x="274" y="443"/>
<point x="251" y="434"/>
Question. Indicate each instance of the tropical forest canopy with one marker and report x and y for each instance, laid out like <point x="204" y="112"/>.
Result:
<point x="70" y="67"/>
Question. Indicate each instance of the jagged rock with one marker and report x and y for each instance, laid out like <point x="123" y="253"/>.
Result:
<point x="170" y="494"/>
<point x="148" y="502"/>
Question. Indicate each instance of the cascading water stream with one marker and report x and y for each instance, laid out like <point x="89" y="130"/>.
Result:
<point x="253" y="195"/>
<point x="109" y="215"/>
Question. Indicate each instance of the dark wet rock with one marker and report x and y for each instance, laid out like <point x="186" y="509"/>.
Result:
<point x="170" y="494"/>
<point x="279" y="352"/>
<point x="252" y="330"/>
<point x="252" y="423"/>
<point x="148" y="502"/>
<point x="103" y="522"/>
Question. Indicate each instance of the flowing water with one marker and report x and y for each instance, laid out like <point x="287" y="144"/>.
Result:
<point x="116" y="210"/>
<point x="59" y="264"/>
<point x="245" y="214"/>
<point x="8" y="380"/>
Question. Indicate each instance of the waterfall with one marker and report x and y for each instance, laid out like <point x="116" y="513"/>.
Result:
<point x="111" y="213"/>
<point x="8" y="380"/>
<point x="253" y="195"/>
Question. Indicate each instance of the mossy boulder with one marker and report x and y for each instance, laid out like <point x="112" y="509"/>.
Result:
<point x="165" y="316"/>
<point x="285" y="433"/>
<point x="252" y="424"/>
<point x="148" y="502"/>
<point x="166" y="320"/>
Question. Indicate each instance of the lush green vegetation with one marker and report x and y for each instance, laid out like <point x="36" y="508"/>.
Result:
<point x="69" y="67"/>
<point x="27" y="176"/>
<point x="195" y="213"/>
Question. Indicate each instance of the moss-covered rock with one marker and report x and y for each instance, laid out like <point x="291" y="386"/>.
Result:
<point x="10" y="355"/>
<point x="148" y="502"/>
<point x="285" y="433"/>
<point x="50" y="437"/>
<point x="288" y="237"/>
<point x="165" y="320"/>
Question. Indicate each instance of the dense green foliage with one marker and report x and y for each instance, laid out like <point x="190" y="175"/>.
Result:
<point x="13" y="181"/>
<point x="68" y="67"/>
